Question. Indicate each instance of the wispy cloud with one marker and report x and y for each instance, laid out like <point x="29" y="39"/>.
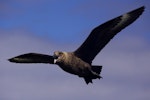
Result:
<point x="125" y="59"/>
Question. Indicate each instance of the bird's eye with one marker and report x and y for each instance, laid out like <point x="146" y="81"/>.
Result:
<point x="60" y="53"/>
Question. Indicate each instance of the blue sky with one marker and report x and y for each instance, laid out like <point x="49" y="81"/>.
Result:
<point x="45" y="26"/>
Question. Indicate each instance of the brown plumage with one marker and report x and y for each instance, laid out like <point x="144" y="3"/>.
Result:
<point x="79" y="62"/>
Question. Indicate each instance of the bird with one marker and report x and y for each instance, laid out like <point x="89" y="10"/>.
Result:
<point x="79" y="61"/>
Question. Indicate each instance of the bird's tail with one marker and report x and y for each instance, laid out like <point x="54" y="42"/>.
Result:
<point x="96" y="74"/>
<point x="97" y="69"/>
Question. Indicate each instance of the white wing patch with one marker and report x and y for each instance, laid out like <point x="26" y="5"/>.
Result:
<point x="123" y="21"/>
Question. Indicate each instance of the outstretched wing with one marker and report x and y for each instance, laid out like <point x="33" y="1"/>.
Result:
<point x="102" y="34"/>
<point x="33" y="58"/>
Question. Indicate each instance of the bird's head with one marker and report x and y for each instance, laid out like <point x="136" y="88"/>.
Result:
<point x="58" y="57"/>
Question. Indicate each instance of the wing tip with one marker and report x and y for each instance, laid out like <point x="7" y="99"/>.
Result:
<point x="142" y="8"/>
<point x="14" y="60"/>
<point x="139" y="10"/>
<point x="10" y="60"/>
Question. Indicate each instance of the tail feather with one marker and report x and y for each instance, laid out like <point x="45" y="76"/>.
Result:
<point x="88" y="80"/>
<point x="97" y="70"/>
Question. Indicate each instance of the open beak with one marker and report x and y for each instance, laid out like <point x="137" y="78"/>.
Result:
<point x="55" y="59"/>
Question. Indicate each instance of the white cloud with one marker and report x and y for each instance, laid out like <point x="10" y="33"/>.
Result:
<point x="125" y="72"/>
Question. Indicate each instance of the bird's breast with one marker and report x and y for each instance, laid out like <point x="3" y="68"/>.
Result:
<point x="75" y="65"/>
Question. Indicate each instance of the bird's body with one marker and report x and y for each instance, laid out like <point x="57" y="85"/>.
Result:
<point x="79" y="62"/>
<point x="74" y="65"/>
